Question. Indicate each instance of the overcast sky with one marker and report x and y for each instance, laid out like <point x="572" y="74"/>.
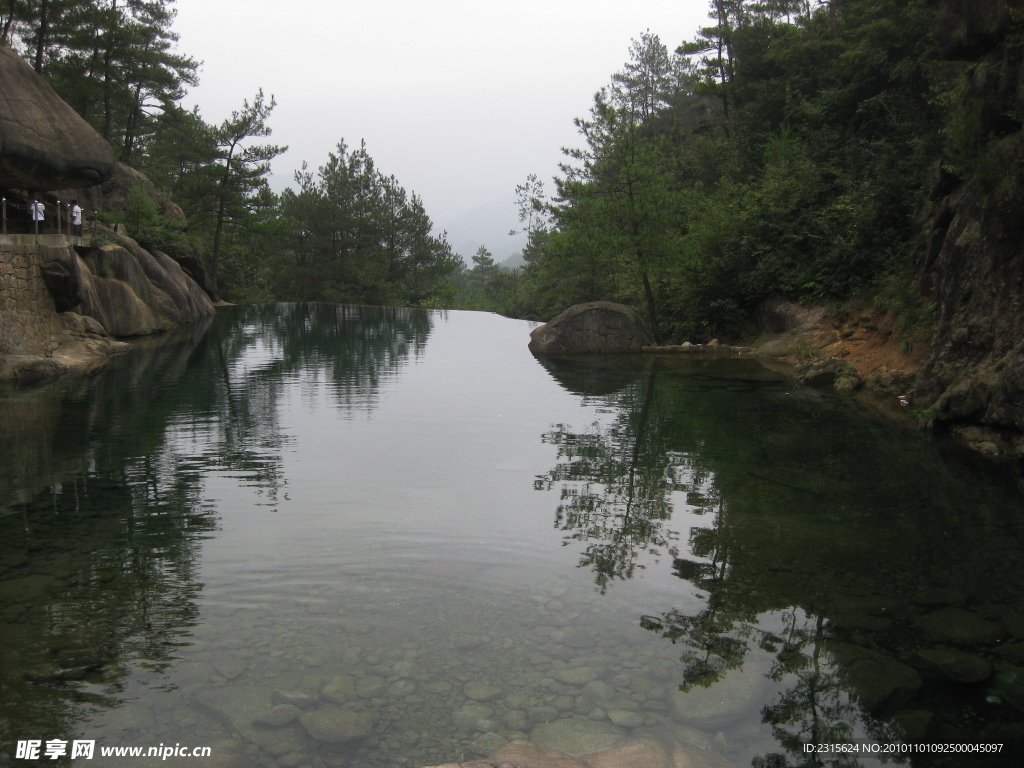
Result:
<point x="458" y="99"/>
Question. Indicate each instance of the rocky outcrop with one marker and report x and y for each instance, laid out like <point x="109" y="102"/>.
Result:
<point x="973" y="264"/>
<point x="113" y="197"/>
<point x="59" y="303"/>
<point x="62" y="298"/>
<point x="595" y="328"/>
<point x="44" y="144"/>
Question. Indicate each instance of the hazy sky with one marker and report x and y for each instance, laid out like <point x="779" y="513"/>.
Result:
<point x="458" y="99"/>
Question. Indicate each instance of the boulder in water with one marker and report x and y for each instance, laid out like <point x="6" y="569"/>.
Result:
<point x="595" y="328"/>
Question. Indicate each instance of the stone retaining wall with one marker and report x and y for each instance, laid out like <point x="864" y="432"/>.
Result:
<point x="29" y="323"/>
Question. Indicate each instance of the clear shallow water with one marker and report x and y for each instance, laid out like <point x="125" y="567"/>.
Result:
<point x="403" y="520"/>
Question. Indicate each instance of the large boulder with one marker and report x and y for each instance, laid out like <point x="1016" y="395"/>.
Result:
<point x="44" y="143"/>
<point x="133" y="292"/>
<point x="112" y="197"/>
<point x="595" y="328"/>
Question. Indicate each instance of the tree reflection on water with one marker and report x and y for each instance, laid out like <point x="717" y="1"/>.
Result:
<point x="102" y="500"/>
<point x="826" y="538"/>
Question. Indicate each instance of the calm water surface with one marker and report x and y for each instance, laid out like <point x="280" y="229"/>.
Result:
<point x="312" y="535"/>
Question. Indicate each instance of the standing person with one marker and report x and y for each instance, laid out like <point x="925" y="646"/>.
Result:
<point x="76" y="219"/>
<point x="38" y="215"/>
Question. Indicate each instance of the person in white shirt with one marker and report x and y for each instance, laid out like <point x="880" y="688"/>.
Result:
<point x="76" y="219"/>
<point x="38" y="214"/>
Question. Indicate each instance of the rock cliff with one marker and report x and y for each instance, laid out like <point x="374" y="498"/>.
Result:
<point x="62" y="298"/>
<point x="61" y="302"/>
<point x="973" y="265"/>
<point x="44" y="144"/>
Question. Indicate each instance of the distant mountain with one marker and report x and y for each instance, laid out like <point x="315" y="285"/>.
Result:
<point x="487" y="224"/>
<point x="515" y="261"/>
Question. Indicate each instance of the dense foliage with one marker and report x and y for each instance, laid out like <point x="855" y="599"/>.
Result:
<point x="782" y="152"/>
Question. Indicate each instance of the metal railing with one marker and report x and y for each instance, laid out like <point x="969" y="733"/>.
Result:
<point x="37" y="215"/>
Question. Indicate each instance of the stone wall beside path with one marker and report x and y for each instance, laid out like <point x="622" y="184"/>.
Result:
<point x="58" y="315"/>
<point x="29" y="322"/>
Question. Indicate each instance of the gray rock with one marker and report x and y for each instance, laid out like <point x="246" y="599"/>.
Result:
<point x="280" y="715"/>
<point x="597" y="692"/>
<point x="913" y="723"/>
<point x="577" y="735"/>
<point x="44" y="143"/>
<point x="466" y="717"/>
<point x="958" y="666"/>
<point x="725" y="701"/>
<point x="541" y="714"/>
<point x="576" y="675"/>
<point x="337" y="725"/>
<point x="515" y="720"/>
<point x="482" y="692"/>
<point x="371" y="686"/>
<point x="960" y="627"/>
<point x="825" y="373"/>
<point x="564" y="703"/>
<point x="487" y="744"/>
<point x="229" y="666"/>
<point x="780" y="316"/>
<point x="625" y="718"/>
<point x="1011" y="652"/>
<point x="1008" y="682"/>
<point x="777" y="347"/>
<point x="296" y="699"/>
<point x="847" y="383"/>
<point x="878" y="681"/>
<point x="237" y="707"/>
<point x="339" y="689"/>
<point x="467" y="642"/>
<point x="402" y="688"/>
<point x="598" y="327"/>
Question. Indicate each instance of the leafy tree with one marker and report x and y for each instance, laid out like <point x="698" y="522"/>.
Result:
<point x="360" y="237"/>
<point x="622" y="196"/>
<point x="242" y="169"/>
<point x="112" y="60"/>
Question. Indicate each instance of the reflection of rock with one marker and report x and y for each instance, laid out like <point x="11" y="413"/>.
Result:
<point x="594" y="375"/>
<point x="958" y="666"/>
<point x="913" y="723"/>
<point x="1008" y="682"/>
<point x="596" y="328"/>
<point x="955" y="625"/>
<point x="878" y="681"/>
<point x="44" y="143"/>
<point x="724" y="701"/>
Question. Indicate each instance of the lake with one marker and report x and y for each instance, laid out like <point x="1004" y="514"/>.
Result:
<point x="319" y="535"/>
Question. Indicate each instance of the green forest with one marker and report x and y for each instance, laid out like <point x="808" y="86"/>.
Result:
<point x="785" y="150"/>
